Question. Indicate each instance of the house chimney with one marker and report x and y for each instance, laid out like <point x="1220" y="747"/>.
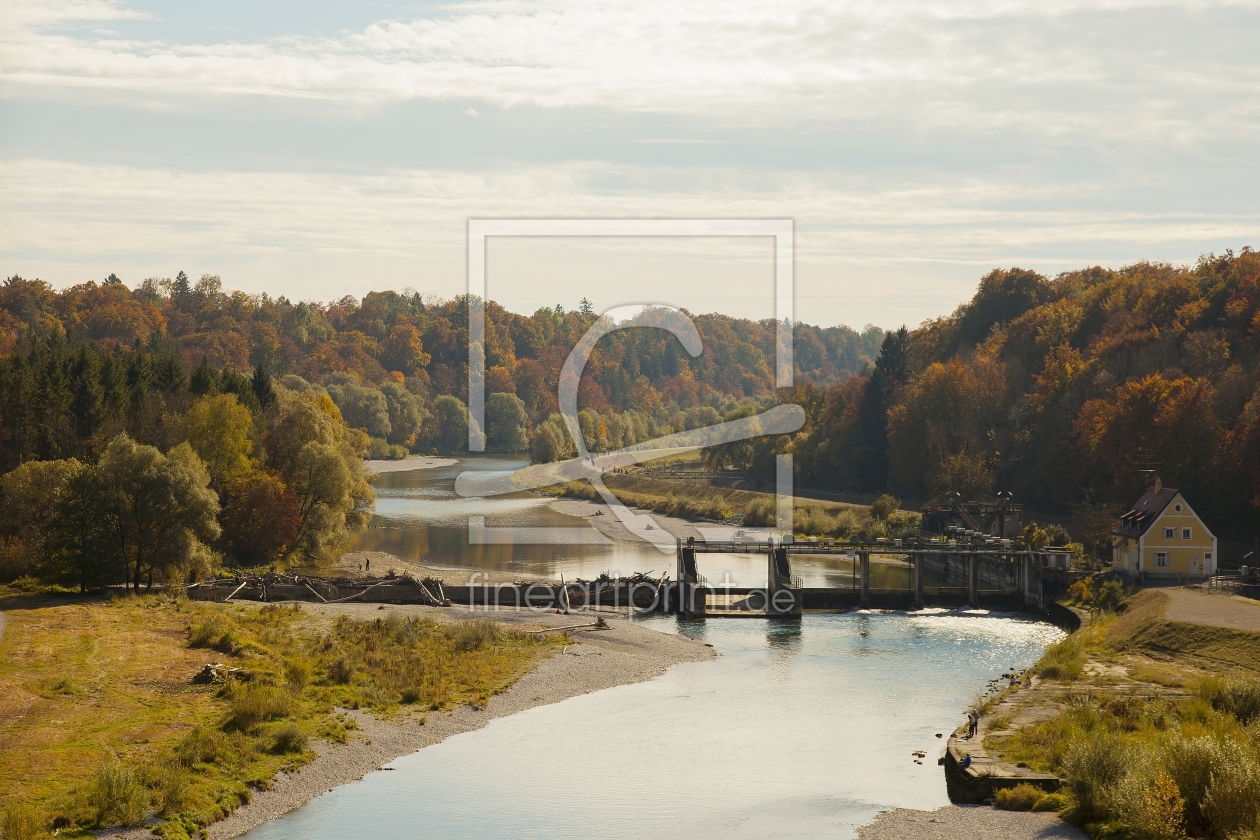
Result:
<point x="1159" y="485"/>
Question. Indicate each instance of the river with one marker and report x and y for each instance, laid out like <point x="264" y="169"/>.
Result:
<point x="796" y="729"/>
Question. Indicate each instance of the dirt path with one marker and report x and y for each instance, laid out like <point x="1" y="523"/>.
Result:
<point x="1192" y="607"/>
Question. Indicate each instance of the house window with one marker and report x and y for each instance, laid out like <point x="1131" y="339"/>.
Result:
<point x="1161" y="558"/>
<point x="1185" y="533"/>
<point x="1170" y="533"/>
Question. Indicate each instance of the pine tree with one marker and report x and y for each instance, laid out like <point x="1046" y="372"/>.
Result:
<point x="169" y="373"/>
<point x="261" y="385"/>
<point x="180" y="289"/>
<point x="87" y="400"/>
<point x="204" y="382"/>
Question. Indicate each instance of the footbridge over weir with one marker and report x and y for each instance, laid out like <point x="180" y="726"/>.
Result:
<point x="910" y="574"/>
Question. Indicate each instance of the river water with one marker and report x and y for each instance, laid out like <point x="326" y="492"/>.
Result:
<point x="794" y="730"/>
<point x="421" y="519"/>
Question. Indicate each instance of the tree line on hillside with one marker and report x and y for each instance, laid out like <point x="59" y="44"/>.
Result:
<point x="1068" y="392"/>
<point x="422" y="345"/>
<point x="153" y="481"/>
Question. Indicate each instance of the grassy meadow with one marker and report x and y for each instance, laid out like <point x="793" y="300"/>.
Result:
<point x="102" y="723"/>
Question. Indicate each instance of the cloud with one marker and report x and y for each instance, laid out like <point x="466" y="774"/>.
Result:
<point x="292" y="232"/>
<point x="955" y="58"/>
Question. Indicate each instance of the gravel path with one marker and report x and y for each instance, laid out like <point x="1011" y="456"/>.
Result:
<point x="625" y="653"/>
<point x="976" y="822"/>
<point x="1193" y="607"/>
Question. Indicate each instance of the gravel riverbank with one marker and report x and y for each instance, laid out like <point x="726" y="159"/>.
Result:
<point x="974" y="822"/>
<point x="624" y="653"/>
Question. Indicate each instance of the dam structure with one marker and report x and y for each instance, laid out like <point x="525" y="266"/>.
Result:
<point x="971" y="571"/>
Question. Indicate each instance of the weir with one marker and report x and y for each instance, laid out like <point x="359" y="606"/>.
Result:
<point x="983" y="573"/>
<point x="978" y="575"/>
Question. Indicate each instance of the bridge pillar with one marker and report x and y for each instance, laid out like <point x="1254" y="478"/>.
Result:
<point x="864" y="558"/>
<point x="973" y="595"/>
<point x="782" y="601"/>
<point x="692" y="600"/>
<point x="918" y="580"/>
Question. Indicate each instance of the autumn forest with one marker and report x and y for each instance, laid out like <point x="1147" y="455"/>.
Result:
<point x="1067" y="391"/>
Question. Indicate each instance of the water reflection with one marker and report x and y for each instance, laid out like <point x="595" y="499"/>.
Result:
<point x="802" y="730"/>
<point x="420" y="518"/>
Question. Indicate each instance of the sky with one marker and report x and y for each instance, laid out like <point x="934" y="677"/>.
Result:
<point x="320" y="149"/>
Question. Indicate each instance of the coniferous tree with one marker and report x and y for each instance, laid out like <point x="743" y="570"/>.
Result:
<point x="262" y="388"/>
<point x="203" y="382"/>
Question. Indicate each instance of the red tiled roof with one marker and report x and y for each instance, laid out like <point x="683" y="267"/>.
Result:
<point x="1145" y="511"/>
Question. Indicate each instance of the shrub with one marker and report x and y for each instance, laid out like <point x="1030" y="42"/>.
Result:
<point x="1095" y="764"/>
<point x="411" y="695"/>
<point x="1051" y="802"/>
<point x="202" y="745"/>
<point x="341" y="671"/>
<point x="1022" y="797"/>
<point x="1063" y="660"/>
<point x="170" y="786"/>
<point x="253" y="704"/>
<point x="297" y="673"/>
<point x="1109" y="596"/>
<point x="288" y="739"/>
<point x="1237" y="697"/>
<point x="761" y="513"/>
<point x="474" y="635"/>
<point x="884" y="507"/>
<point x="23" y="822"/>
<point x="204" y="633"/>
<point x="1190" y="763"/>
<point x="1233" y="794"/>
<point x="116" y="797"/>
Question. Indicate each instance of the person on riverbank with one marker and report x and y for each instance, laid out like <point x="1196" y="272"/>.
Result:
<point x="973" y="723"/>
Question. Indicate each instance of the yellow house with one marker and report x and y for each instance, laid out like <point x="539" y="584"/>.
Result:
<point x="1163" y="535"/>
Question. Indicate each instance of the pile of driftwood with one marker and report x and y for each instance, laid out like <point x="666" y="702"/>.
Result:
<point x="406" y="588"/>
<point x="609" y="591"/>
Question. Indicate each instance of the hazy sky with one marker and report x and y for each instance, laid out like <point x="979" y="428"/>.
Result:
<point x="318" y="149"/>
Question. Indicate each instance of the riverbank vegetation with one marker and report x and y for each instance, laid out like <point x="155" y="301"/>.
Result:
<point x="695" y="501"/>
<point x="184" y="481"/>
<point x="108" y="715"/>
<point x="1154" y="724"/>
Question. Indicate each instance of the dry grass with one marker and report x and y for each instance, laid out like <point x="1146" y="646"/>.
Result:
<point x="101" y="724"/>
<point x="1142" y="761"/>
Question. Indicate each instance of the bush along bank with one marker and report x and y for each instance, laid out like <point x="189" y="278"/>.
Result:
<point x="1153" y="725"/>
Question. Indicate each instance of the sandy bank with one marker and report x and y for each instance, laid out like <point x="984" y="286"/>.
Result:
<point x="601" y="517"/>
<point x="625" y="653"/>
<point x="974" y="822"/>
<point x="408" y="464"/>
